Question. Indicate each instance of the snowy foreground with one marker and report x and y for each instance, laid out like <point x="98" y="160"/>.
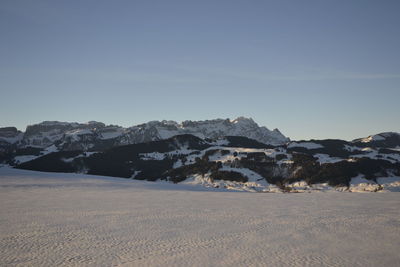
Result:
<point x="78" y="220"/>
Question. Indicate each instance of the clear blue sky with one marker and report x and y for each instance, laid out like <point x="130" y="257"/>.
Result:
<point x="313" y="69"/>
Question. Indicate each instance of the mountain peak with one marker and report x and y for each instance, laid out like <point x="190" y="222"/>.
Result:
<point x="385" y="139"/>
<point x="242" y="119"/>
<point x="92" y="134"/>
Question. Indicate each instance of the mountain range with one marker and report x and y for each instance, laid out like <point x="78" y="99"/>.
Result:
<point x="234" y="154"/>
<point x="93" y="135"/>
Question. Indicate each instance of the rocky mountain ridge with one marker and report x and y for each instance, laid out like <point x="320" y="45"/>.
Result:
<point x="233" y="162"/>
<point x="96" y="135"/>
<point x="234" y="154"/>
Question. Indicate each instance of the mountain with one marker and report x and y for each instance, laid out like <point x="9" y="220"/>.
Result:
<point x="235" y="154"/>
<point x="9" y="138"/>
<point x="383" y="140"/>
<point x="94" y="136"/>
<point x="234" y="162"/>
<point x="10" y="135"/>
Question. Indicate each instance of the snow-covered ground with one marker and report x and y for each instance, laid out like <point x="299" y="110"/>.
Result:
<point x="78" y="220"/>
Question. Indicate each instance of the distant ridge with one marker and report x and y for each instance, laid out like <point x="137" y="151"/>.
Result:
<point x="235" y="154"/>
<point x="97" y="135"/>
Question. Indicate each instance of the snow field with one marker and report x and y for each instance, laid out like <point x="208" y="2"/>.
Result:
<point x="78" y="220"/>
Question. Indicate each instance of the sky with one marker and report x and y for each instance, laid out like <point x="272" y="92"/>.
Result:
<point x="312" y="69"/>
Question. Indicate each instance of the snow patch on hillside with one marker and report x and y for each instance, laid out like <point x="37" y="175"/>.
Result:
<point x="12" y="139"/>
<point x="324" y="158"/>
<point x="371" y="138"/>
<point x="26" y="158"/>
<point x="374" y="154"/>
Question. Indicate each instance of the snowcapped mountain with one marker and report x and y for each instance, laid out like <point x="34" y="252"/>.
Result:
<point x="97" y="136"/>
<point x="235" y="154"/>
<point x="387" y="139"/>
<point x="10" y="135"/>
<point x="212" y="129"/>
<point x="9" y="138"/>
<point x="233" y="162"/>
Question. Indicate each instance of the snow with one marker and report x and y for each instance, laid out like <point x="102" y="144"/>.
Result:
<point x="307" y="145"/>
<point x="165" y="133"/>
<point x="13" y="139"/>
<point x="255" y="184"/>
<point x="50" y="149"/>
<point x="351" y="148"/>
<point x="55" y="131"/>
<point x="75" y="134"/>
<point x="391" y="184"/>
<point x="161" y="156"/>
<point x="24" y="158"/>
<point x="253" y="176"/>
<point x="241" y="152"/>
<point x="373" y="154"/>
<point x="177" y="164"/>
<point x="377" y="137"/>
<point x="43" y="139"/>
<point x="368" y="149"/>
<point x="325" y="158"/>
<point x="360" y="184"/>
<point x="111" y="134"/>
<point x="371" y="138"/>
<point x="224" y="158"/>
<point x="242" y="120"/>
<point x="299" y="186"/>
<point x="69" y="160"/>
<point x="218" y="128"/>
<point x="216" y="157"/>
<point x="135" y="174"/>
<point x="50" y="219"/>
<point x="82" y="155"/>
<point x="384" y="184"/>
<point x="152" y="156"/>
